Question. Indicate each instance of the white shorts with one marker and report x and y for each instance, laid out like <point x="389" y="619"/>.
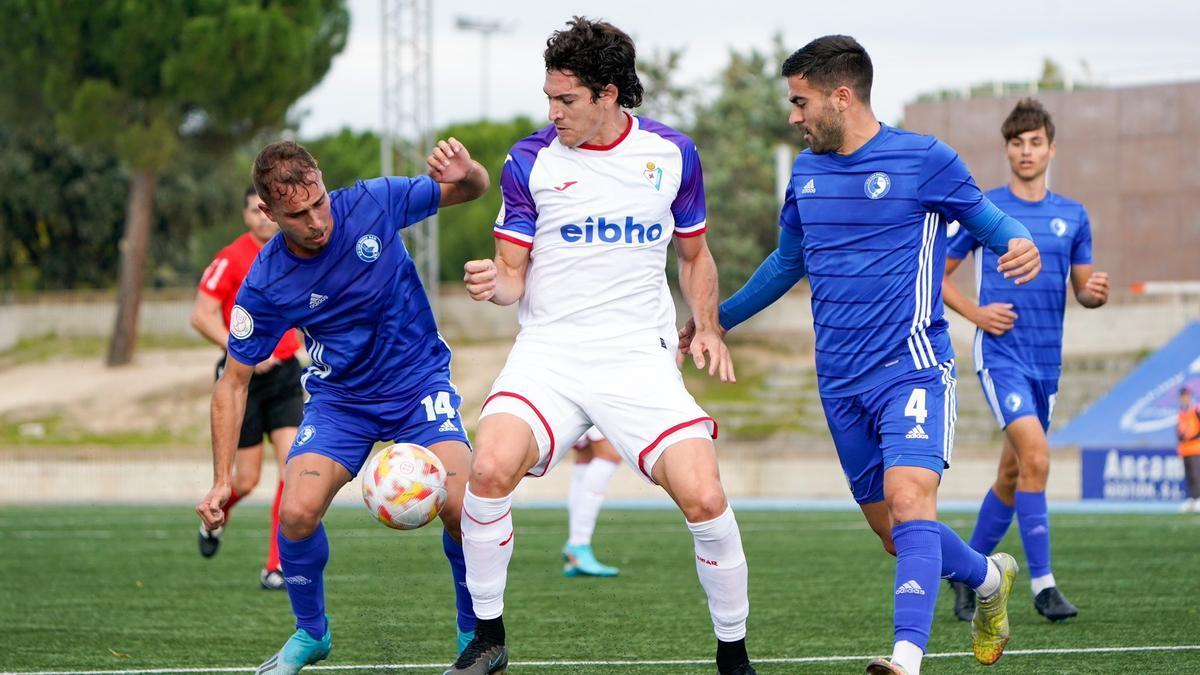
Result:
<point x="592" y="435"/>
<point x="634" y="396"/>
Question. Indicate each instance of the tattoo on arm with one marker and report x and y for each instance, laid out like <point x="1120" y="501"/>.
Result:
<point x="310" y="472"/>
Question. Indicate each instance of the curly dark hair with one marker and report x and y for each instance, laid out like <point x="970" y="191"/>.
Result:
<point x="1028" y="115"/>
<point x="833" y="61"/>
<point x="599" y="54"/>
<point x="281" y="168"/>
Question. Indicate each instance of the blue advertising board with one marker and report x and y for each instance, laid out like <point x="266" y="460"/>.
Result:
<point x="1140" y="475"/>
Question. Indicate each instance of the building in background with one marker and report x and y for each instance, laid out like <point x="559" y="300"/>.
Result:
<point x="1131" y="155"/>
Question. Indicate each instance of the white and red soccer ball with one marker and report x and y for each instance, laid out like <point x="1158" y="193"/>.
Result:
<point x="404" y="486"/>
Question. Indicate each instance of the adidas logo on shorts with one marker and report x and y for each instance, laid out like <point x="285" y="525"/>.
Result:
<point x="447" y="426"/>
<point x="917" y="432"/>
<point x="910" y="586"/>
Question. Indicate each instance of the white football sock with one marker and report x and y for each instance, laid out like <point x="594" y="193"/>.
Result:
<point x="908" y="656"/>
<point x="721" y="565"/>
<point x="1039" y="584"/>
<point x="991" y="582"/>
<point x="585" y="498"/>
<point x="488" y="541"/>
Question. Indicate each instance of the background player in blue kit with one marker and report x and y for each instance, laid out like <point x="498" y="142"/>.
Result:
<point x="380" y="370"/>
<point x="1018" y="347"/>
<point x="865" y="218"/>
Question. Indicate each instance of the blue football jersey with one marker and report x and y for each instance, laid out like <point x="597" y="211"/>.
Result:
<point x="1063" y="235"/>
<point x="874" y="230"/>
<point x="366" y="321"/>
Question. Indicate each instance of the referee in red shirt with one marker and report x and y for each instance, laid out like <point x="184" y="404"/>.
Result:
<point x="275" y="404"/>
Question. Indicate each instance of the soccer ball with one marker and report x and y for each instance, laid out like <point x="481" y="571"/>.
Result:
<point x="404" y="486"/>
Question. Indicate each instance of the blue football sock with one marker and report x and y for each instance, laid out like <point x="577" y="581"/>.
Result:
<point x="959" y="561"/>
<point x="918" y="569"/>
<point x="304" y="571"/>
<point x="458" y="569"/>
<point x="994" y="518"/>
<point x="1034" y="522"/>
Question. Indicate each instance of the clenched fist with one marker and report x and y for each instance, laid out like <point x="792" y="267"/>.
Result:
<point x="480" y="278"/>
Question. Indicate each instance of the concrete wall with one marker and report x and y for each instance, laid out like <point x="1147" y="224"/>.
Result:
<point x="1128" y="154"/>
<point x="1142" y="326"/>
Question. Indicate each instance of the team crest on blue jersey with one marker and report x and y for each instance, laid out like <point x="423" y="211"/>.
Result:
<point x="306" y="434"/>
<point x="1013" y="401"/>
<point x="653" y="174"/>
<point x="1058" y="226"/>
<point x="368" y="248"/>
<point x="241" y="324"/>
<point x="878" y="184"/>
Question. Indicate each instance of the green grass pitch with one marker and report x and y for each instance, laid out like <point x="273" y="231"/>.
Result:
<point x="123" y="588"/>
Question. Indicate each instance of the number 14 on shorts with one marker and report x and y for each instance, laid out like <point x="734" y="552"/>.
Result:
<point x="438" y="405"/>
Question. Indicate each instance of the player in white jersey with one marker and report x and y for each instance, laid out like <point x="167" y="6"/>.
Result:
<point x="590" y="205"/>
<point x="596" y="461"/>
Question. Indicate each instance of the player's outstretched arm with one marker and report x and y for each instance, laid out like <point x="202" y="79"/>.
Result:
<point x="228" y="408"/>
<point x="996" y="318"/>
<point x="462" y="179"/>
<point x="500" y="280"/>
<point x="1091" y="287"/>
<point x="698" y="282"/>
<point x="781" y="270"/>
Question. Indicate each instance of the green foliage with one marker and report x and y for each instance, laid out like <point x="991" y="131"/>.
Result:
<point x="62" y="206"/>
<point x="346" y="156"/>
<point x="465" y="231"/>
<point x="737" y="133"/>
<point x="135" y="77"/>
<point x="95" y="91"/>
<point x="60" y="211"/>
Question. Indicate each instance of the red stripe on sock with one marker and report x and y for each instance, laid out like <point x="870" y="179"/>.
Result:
<point x="234" y="498"/>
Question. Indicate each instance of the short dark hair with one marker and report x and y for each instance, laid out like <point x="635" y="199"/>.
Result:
<point x="599" y="54"/>
<point x="833" y="61"/>
<point x="1028" y="115"/>
<point x="280" y="168"/>
<point x="250" y="190"/>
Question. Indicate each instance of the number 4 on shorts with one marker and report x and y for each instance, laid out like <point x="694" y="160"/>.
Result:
<point x="438" y="406"/>
<point x="915" y="407"/>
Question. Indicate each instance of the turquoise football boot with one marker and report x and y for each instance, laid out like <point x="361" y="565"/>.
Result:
<point x="581" y="562"/>
<point x="300" y="650"/>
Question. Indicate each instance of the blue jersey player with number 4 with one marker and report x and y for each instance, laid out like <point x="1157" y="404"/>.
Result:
<point x="338" y="270"/>
<point x="865" y="219"/>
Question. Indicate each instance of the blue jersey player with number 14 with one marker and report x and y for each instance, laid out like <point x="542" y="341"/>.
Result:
<point x="865" y="219"/>
<point x="339" y="272"/>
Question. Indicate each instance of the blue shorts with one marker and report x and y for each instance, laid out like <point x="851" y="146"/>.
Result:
<point x="908" y="421"/>
<point x="1012" y="395"/>
<point x="346" y="431"/>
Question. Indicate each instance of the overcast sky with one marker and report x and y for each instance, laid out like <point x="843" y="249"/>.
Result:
<point x="916" y="46"/>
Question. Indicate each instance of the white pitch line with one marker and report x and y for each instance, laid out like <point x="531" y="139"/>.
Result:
<point x="629" y="664"/>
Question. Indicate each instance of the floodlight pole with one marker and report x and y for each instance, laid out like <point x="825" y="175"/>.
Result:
<point x="486" y="28"/>
<point x="407" y="131"/>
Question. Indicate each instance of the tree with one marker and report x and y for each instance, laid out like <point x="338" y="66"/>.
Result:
<point x="148" y="81"/>
<point x="465" y="231"/>
<point x="346" y="156"/>
<point x="737" y="133"/>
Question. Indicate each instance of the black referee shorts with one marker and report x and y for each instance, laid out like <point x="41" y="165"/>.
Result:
<point x="275" y="401"/>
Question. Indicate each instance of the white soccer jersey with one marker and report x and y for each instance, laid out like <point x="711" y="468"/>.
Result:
<point x="598" y="221"/>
